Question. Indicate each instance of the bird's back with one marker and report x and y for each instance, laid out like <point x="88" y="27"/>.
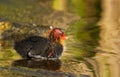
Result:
<point x="34" y="44"/>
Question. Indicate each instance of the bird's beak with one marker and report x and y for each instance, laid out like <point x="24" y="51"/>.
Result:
<point x="64" y="37"/>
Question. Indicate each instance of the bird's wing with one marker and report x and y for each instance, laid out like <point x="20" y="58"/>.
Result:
<point x="36" y="45"/>
<point x="39" y="45"/>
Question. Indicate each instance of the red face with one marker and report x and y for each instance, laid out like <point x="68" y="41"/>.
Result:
<point x="58" y="34"/>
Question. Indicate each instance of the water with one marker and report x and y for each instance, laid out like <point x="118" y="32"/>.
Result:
<point x="83" y="56"/>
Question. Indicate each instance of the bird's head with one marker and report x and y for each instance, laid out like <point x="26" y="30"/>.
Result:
<point x="57" y="35"/>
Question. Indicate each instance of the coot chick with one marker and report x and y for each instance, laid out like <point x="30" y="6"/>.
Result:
<point x="42" y="47"/>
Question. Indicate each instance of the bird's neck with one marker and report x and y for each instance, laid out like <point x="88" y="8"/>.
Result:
<point x="53" y="41"/>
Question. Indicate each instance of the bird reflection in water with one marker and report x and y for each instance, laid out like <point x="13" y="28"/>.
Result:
<point x="39" y="64"/>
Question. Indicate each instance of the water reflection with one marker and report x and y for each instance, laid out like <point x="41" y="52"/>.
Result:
<point x="39" y="64"/>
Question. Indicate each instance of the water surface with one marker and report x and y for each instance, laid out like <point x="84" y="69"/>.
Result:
<point x="79" y="20"/>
